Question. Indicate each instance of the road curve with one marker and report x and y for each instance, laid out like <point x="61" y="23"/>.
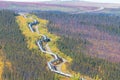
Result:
<point x="88" y="11"/>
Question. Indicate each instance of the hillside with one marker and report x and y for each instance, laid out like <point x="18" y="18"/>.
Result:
<point x="92" y="40"/>
<point x="20" y="57"/>
<point x="17" y="62"/>
<point x="59" y="40"/>
<point x="91" y="27"/>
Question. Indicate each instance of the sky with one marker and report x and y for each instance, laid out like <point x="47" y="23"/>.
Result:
<point x="101" y="1"/>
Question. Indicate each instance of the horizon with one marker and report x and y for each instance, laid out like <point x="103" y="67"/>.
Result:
<point x="95" y="1"/>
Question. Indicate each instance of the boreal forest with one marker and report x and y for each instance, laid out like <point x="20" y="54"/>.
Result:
<point x="17" y="62"/>
<point x="76" y="33"/>
<point x="59" y="40"/>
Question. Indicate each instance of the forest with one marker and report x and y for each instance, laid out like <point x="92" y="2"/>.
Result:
<point x="76" y="43"/>
<point x="17" y="62"/>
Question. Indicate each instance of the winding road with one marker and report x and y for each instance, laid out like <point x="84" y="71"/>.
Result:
<point x="88" y="11"/>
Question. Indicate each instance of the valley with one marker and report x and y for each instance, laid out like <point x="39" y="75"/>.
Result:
<point x="59" y="40"/>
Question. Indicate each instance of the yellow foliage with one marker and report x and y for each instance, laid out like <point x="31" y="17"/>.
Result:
<point x="1" y="64"/>
<point x="1" y="68"/>
<point x="97" y="77"/>
<point x="31" y="38"/>
<point x="76" y="77"/>
<point x="4" y="63"/>
<point x="64" y="68"/>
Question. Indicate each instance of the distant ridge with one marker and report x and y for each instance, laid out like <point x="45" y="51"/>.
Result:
<point x="71" y="3"/>
<point x="58" y="5"/>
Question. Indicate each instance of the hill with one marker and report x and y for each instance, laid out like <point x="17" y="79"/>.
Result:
<point x="92" y="40"/>
<point x="17" y="62"/>
<point x="65" y="6"/>
<point x="86" y="34"/>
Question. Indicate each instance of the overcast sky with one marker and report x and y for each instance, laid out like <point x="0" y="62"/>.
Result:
<point x="103" y="1"/>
